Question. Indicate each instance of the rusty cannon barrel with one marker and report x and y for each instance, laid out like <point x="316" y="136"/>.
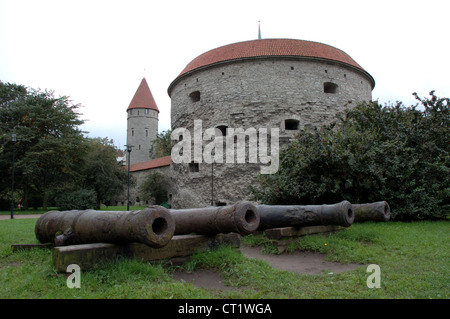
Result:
<point x="277" y="216"/>
<point x="241" y="218"/>
<point x="377" y="211"/>
<point x="153" y="226"/>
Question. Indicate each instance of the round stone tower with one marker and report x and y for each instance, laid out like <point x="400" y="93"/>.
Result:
<point x="142" y="123"/>
<point x="281" y="84"/>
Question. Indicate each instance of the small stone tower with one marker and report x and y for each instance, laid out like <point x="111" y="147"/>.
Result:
<point x="142" y="123"/>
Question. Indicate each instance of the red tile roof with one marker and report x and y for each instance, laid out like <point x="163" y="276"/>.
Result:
<point x="143" y="98"/>
<point x="270" y="47"/>
<point x="158" y="162"/>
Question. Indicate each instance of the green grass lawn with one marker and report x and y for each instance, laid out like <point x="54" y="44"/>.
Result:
<point x="413" y="259"/>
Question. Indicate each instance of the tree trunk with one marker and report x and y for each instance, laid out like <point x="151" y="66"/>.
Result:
<point x="45" y="200"/>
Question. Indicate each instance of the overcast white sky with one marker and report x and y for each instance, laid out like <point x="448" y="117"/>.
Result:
<point x="97" y="52"/>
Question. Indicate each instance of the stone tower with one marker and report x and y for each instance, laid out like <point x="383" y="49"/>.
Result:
<point x="281" y="84"/>
<point x="142" y="123"/>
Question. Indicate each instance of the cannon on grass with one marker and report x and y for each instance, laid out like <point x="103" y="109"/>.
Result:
<point x="241" y="218"/>
<point x="277" y="216"/>
<point x="377" y="211"/>
<point x="153" y="226"/>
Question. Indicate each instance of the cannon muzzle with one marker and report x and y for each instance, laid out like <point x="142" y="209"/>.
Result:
<point x="276" y="216"/>
<point x="241" y="218"/>
<point x="377" y="211"/>
<point x="153" y="226"/>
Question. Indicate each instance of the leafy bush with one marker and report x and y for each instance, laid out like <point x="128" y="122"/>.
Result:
<point x="5" y="204"/>
<point x="393" y="153"/>
<point x="154" y="187"/>
<point x="80" y="199"/>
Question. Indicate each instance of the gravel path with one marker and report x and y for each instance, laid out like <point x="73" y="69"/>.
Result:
<point x="16" y="216"/>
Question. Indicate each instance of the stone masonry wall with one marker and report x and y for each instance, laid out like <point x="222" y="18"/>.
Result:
<point x="256" y="93"/>
<point x="139" y="176"/>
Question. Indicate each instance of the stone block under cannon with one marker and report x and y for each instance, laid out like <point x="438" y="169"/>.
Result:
<point x="377" y="211"/>
<point x="241" y="218"/>
<point x="153" y="226"/>
<point x="277" y="216"/>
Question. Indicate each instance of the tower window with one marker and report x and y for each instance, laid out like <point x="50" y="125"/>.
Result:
<point x="195" y="96"/>
<point x="329" y="87"/>
<point x="132" y="132"/>
<point x="146" y="133"/>
<point x="291" y="124"/>
<point x="146" y="111"/>
<point x="193" y="167"/>
<point x="222" y="129"/>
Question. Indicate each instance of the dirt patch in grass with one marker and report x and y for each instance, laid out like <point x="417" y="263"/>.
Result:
<point x="302" y="262"/>
<point x="11" y="264"/>
<point x="202" y="278"/>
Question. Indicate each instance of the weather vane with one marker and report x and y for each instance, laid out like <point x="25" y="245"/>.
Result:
<point x="259" y="29"/>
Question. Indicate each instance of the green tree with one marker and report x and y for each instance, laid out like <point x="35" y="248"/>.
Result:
<point x="100" y="170"/>
<point x="154" y="187"/>
<point x="80" y="199"/>
<point x="161" y="146"/>
<point x="49" y="140"/>
<point x="393" y="153"/>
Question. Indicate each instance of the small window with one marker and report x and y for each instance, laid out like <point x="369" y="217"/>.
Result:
<point x="291" y="125"/>
<point x="132" y="132"/>
<point x="195" y="96"/>
<point x="147" y="111"/>
<point x="222" y="129"/>
<point x="131" y="112"/>
<point x="146" y="133"/>
<point x="193" y="167"/>
<point x="329" y="87"/>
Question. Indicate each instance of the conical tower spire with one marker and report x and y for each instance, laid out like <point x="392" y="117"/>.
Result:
<point x="143" y="98"/>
